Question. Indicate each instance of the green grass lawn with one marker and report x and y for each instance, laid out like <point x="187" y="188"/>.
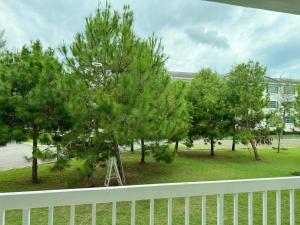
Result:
<point x="188" y="166"/>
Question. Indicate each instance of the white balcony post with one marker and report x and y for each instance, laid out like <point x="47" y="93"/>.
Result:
<point x="220" y="209"/>
<point x="250" y="208"/>
<point x="278" y="208"/>
<point x="2" y="217"/>
<point x="114" y="213"/>
<point x="187" y="210"/>
<point x="50" y="215"/>
<point x="94" y="214"/>
<point x="170" y="209"/>
<point x="26" y="217"/>
<point x="151" y="211"/>
<point x="265" y="208"/>
<point x="132" y="212"/>
<point x="203" y="210"/>
<point x="292" y="207"/>
<point x="72" y="215"/>
<point x="235" y="209"/>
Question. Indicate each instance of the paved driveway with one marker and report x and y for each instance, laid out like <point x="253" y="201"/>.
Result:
<point x="13" y="156"/>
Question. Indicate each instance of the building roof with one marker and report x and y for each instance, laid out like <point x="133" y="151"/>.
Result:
<point x="182" y="75"/>
<point x="286" y="6"/>
<point x="179" y="75"/>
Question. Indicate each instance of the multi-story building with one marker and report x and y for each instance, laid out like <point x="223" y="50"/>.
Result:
<point x="280" y="92"/>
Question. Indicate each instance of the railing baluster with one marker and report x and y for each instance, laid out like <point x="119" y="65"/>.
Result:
<point x="2" y="217"/>
<point x="50" y="215"/>
<point x="114" y="213"/>
<point x="151" y="211"/>
<point x="250" y="208"/>
<point x="133" y="212"/>
<point x="265" y="208"/>
<point x="278" y="208"/>
<point x="72" y="215"/>
<point x="203" y="210"/>
<point x="26" y="217"/>
<point x="220" y="209"/>
<point x="170" y="208"/>
<point x="235" y="209"/>
<point x="94" y="213"/>
<point x="187" y="210"/>
<point x="292" y="207"/>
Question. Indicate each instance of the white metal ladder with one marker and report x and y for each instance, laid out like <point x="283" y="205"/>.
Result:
<point x="112" y="164"/>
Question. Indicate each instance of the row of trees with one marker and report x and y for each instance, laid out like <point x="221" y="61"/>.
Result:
<point x="112" y="90"/>
<point x="229" y="106"/>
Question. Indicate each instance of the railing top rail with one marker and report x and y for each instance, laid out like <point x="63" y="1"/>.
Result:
<point x="36" y="199"/>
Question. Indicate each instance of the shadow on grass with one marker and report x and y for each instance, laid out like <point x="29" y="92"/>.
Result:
<point x="220" y="155"/>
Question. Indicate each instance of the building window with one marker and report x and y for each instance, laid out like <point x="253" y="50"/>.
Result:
<point x="272" y="104"/>
<point x="272" y="89"/>
<point x="289" y="119"/>
<point x="289" y="90"/>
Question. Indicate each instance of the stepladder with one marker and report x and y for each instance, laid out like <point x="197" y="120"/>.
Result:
<point x="112" y="172"/>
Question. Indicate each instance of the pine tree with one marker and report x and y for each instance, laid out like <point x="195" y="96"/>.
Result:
<point x="208" y="107"/>
<point x="99" y="57"/>
<point x="30" y="81"/>
<point x="2" y="41"/>
<point x="246" y="86"/>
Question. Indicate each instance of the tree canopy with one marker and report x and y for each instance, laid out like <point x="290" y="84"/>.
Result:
<point x="208" y="107"/>
<point x="33" y="98"/>
<point x="246" y="85"/>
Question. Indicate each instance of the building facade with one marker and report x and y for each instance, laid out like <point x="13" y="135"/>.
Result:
<point x="280" y="91"/>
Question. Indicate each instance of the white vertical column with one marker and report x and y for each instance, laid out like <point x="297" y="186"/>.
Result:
<point x="220" y="209"/>
<point x="170" y="208"/>
<point x="235" y="209"/>
<point x="72" y="215"/>
<point x="94" y="213"/>
<point x="278" y="208"/>
<point x="250" y="208"/>
<point x="151" y="211"/>
<point x="203" y="210"/>
<point x="2" y="217"/>
<point x="265" y="207"/>
<point x="132" y="212"/>
<point x="292" y="207"/>
<point x="187" y="210"/>
<point x="26" y="217"/>
<point x="50" y="215"/>
<point x="114" y="213"/>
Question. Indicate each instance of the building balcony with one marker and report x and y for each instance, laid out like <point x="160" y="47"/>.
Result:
<point x="153" y="193"/>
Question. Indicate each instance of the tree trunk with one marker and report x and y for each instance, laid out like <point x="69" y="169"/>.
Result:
<point x="132" y="146"/>
<point x="34" y="169"/>
<point x="279" y="140"/>
<point x="233" y="144"/>
<point x="119" y="161"/>
<point x="212" y="147"/>
<point x="143" y="150"/>
<point x="176" y="146"/>
<point x="255" y="150"/>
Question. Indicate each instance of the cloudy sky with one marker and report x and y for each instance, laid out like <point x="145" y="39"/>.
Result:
<point x="195" y="34"/>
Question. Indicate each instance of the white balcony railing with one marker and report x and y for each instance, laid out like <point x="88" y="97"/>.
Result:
<point x="38" y="199"/>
